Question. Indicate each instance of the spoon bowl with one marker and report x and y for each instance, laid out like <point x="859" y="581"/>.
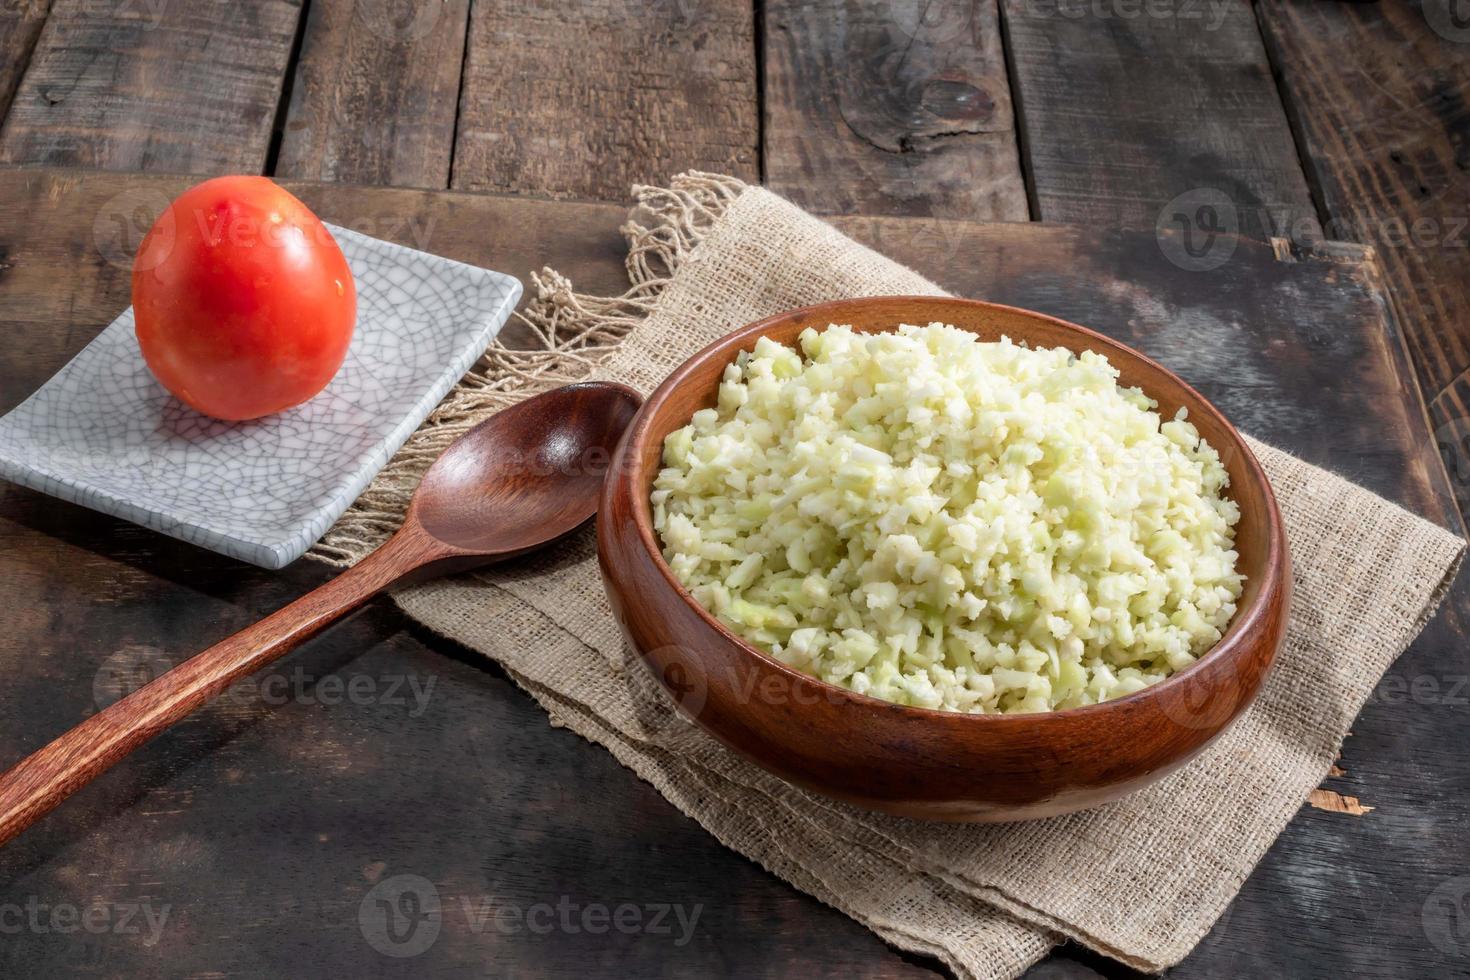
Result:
<point x="527" y="475"/>
<point x="517" y="481"/>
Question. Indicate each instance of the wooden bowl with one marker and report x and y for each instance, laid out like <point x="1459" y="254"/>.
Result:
<point x="919" y="762"/>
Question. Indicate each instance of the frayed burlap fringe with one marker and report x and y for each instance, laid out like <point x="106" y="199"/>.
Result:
<point x="576" y="333"/>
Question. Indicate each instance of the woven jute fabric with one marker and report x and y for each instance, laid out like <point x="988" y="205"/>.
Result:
<point x="1141" y="880"/>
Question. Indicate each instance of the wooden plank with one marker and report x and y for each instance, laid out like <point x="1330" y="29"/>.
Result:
<point x="152" y="86"/>
<point x="1384" y="134"/>
<point x="20" y="26"/>
<point x="94" y="223"/>
<point x="880" y="108"/>
<point x="1126" y="106"/>
<point x="375" y="93"/>
<point x="584" y="100"/>
<point x="264" y="822"/>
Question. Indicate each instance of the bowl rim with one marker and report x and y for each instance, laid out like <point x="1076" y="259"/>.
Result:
<point x="1276" y="577"/>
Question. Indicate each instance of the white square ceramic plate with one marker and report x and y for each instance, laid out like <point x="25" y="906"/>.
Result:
<point x="105" y="434"/>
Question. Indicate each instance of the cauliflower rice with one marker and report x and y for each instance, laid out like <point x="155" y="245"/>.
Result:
<point x="948" y="523"/>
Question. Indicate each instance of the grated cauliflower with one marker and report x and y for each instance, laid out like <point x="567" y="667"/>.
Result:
<point x="938" y="521"/>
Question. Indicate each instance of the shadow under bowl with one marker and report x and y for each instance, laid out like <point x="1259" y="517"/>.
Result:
<point x="919" y="762"/>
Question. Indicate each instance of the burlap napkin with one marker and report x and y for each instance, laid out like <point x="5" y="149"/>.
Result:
<point x="1141" y="880"/>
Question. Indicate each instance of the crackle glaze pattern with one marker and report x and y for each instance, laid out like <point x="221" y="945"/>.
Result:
<point x="105" y="434"/>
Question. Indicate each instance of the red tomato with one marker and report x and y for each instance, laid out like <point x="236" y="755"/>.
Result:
<point x="243" y="300"/>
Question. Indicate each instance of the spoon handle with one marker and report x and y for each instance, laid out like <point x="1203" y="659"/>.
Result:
<point x="35" y="785"/>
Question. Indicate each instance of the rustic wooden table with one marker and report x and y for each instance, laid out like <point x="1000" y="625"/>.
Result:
<point x="244" y="841"/>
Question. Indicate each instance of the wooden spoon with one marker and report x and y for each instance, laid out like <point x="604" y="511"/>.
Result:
<point x="515" y="482"/>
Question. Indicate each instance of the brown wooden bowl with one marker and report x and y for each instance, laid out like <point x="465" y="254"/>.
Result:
<point x="920" y="762"/>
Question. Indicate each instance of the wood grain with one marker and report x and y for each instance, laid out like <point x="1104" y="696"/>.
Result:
<point x="20" y="26"/>
<point x="1334" y="802"/>
<point x="479" y="503"/>
<point x="39" y="783"/>
<point x="375" y="93"/>
<point x="584" y="100"/>
<point x="276" y="809"/>
<point x="91" y="224"/>
<point x="884" y="108"/>
<point x="152" y="86"/>
<point x="264" y="820"/>
<point x="1384" y="133"/>
<point x="1122" y="112"/>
